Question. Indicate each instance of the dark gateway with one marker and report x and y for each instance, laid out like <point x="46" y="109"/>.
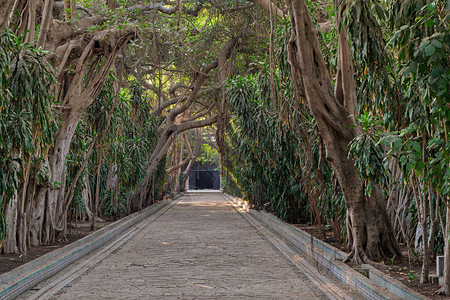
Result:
<point x="204" y="176"/>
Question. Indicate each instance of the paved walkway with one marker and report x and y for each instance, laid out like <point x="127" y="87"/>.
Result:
<point x="199" y="249"/>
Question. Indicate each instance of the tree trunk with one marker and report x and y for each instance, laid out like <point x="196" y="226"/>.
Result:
<point x="37" y="216"/>
<point x="78" y="93"/>
<point x="58" y="169"/>
<point x="31" y="22"/>
<point x="46" y="21"/>
<point x="9" y="245"/>
<point x="179" y="162"/>
<point x="67" y="10"/>
<point x="195" y="152"/>
<point x="370" y="230"/>
<point x="445" y="288"/>
<point x="425" y="218"/>
<point x="21" y="207"/>
<point x="31" y="192"/>
<point x="86" y="194"/>
<point x="97" y="188"/>
<point x="5" y="12"/>
<point x="73" y="9"/>
<point x="10" y="208"/>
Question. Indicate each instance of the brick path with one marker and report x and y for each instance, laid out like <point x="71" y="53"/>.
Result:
<point x="199" y="249"/>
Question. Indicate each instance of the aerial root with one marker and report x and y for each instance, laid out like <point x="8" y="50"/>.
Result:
<point x="358" y="257"/>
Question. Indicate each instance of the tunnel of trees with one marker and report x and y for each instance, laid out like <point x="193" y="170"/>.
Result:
<point x="324" y="112"/>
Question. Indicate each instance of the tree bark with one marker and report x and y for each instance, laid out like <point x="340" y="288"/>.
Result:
<point x="87" y="200"/>
<point x="67" y="10"/>
<point x="370" y="230"/>
<point x="38" y="211"/>
<point x="97" y="189"/>
<point x="46" y="21"/>
<point x="5" y="12"/>
<point x="73" y="10"/>
<point x="425" y="216"/>
<point x="180" y="164"/>
<point x="195" y="152"/>
<point x="445" y="288"/>
<point x="31" y="22"/>
<point x="9" y="245"/>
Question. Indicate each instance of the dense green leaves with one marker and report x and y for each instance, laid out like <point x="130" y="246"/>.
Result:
<point x="124" y="152"/>
<point x="277" y="158"/>
<point x="27" y="120"/>
<point x="368" y="154"/>
<point x="422" y="38"/>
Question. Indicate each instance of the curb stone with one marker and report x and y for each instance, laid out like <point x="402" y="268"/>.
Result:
<point x="27" y="276"/>
<point x="376" y="285"/>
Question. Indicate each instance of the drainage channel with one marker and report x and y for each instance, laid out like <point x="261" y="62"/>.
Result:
<point x="49" y="288"/>
<point x="328" y="286"/>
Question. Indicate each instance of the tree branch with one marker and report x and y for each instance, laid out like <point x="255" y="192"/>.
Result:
<point x="173" y="89"/>
<point x="180" y="165"/>
<point x="165" y="10"/>
<point x="87" y="11"/>
<point x="198" y="82"/>
<point x="200" y="115"/>
<point x="345" y="89"/>
<point x="179" y="128"/>
<point x="157" y="111"/>
<point x="234" y="9"/>
<point x="61" y="32"/>
<point x="268" y="5"/>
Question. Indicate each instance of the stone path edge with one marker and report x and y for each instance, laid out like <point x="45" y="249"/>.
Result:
<point x="376" y="285"/>
<point x="25" y="277"/>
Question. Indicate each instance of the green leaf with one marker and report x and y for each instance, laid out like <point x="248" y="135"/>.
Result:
<point x="404" y="27"/>
<point x="416" y="146"/>
<point x="397" y="144"/>
<point x="425" y="42"/>
<point x="430" y="49"/>
<point x="436" y="43"/>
